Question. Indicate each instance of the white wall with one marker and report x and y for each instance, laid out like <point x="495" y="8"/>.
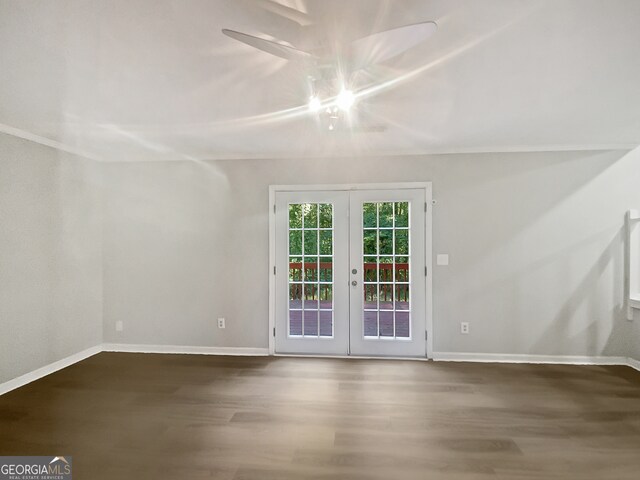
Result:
<point x="50" y="256"/>
<point x="535" y="240"/>
<point x="535" y="243"/>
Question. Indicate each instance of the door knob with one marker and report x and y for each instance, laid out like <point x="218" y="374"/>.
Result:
<point x="354" y="283"/>
<point x="354" y="271"/>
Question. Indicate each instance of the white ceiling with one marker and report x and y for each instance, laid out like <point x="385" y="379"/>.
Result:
<point x="156" y="79"/>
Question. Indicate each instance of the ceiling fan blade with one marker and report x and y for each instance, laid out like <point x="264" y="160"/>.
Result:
<point x="274" y="48"/>
<point x="301" y="18"/>
<point x="383" y="46"/>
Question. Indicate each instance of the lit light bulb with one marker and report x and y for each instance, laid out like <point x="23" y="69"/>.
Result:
<point x="345" y="99"/>
<point x="314" y="103"/>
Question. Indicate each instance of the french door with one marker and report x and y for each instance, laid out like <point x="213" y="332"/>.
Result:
<point x="350" y="274"/>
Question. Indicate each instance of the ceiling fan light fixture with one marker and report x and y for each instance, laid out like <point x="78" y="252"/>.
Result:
<point x="345" y="99"/>
<point x="314" y="103"/>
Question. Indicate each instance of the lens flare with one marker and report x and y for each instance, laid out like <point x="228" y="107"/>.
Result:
<point x="345" y="100"/>
<point x="314" y="104"/>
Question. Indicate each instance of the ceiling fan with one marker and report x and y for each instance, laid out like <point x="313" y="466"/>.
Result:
<point x="330" y="68"/>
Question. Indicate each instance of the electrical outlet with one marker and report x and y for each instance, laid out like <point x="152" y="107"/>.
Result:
<point x="119" y="326"/>
<point x="464" y="328"/>
<point x="221" y="322"/>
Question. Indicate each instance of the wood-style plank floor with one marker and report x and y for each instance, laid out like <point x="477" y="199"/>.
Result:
<point x="143" y="416"/>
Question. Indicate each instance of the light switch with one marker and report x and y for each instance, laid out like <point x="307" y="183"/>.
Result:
<point x="442" y="259"/>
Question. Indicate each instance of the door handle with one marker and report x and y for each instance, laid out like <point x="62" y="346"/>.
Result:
<point x="354" y="283"/>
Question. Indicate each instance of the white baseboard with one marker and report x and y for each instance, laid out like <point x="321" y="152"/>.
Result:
<point x="523" y="358"/>
<point x="114" y="347"/>
<point x="48" y="369"/>
<point x="126" y="348"/>
<point x="244" y="351"/>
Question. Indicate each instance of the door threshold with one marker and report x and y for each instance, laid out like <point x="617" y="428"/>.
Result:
<point x="357" y="357"/>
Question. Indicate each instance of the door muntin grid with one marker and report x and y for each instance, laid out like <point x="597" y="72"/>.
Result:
<point x="386" y="273"/>
<point x="311" y="261"/>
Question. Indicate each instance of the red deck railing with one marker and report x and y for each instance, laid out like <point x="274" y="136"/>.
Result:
<point x="323" y="272"/>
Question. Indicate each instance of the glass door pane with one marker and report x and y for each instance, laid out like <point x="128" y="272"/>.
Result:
<point x="312" y="315"/>
<point x="387" y="256"/>
<point x="385" y="263"/>
<point x="350" y="272"/>
<point x="310" y="269"/>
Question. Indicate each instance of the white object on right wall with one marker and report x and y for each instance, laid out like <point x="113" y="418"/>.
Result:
<point x="442" y="259"/>
<point x="633" y="262"/>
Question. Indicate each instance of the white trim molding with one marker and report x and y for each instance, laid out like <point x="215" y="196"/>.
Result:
<point x="249" y="351"/>
<point x="450" y="150"/>
<point x="523" y="358"/>
<point x="47" y="142"/>
<point x="428" y="241"/>
<point x="48" y="369"/>
<point x="578" y="147"/>
<point x="186" y="350"/>
<point x="125" y="348"/>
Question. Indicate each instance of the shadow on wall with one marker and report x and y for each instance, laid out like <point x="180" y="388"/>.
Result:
<point x="598" y="301"/>
<point x="560" y="337"/>
<point x="539" y="252"/>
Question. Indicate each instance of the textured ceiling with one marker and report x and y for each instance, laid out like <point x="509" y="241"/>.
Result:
<point x="157" y="80"/>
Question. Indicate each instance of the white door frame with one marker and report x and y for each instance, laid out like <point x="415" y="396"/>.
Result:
<point x="428" y="188"/>
<point x="338" y="342"/>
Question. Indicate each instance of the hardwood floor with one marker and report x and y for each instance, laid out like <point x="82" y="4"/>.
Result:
<point x="143" y="416"/>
